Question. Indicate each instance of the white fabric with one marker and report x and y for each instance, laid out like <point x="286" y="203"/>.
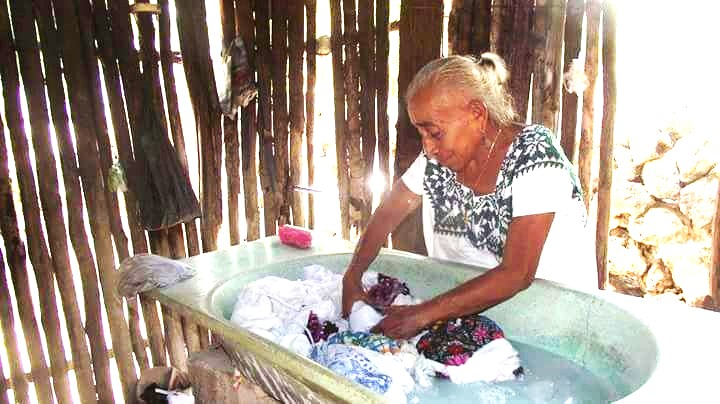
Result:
<point x="363" y="317"/>
<point x="494" y="362"/>
<point x="402" y="383"/>
<point x="181" y="397"/>
<point x="278" y="308"/>
<point x="568" y="256"/>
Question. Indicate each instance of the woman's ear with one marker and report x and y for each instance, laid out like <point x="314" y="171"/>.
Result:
<point x="478" y="110"/>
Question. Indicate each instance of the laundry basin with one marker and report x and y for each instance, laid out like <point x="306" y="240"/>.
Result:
<point x="575" y="346"/>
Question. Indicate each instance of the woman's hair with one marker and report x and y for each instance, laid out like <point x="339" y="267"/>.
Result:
<point x="480" y="78"/>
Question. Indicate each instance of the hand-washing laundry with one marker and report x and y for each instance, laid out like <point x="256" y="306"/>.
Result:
<point x="304" y="316"/>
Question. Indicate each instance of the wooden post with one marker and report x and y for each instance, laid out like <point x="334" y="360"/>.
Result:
<point x="32" y="75"/>
<point x="469" y="27"/>
<point x="119" y="13"/>
<point x="573" y="31"/>
<point x="230" y="133"/>
<point x="174" y="333"/>
<point x="14" y="245"/>
<point x="73" y="195"/>
<point x="341" y="143"/>
<point x="189" y="328"/>
<point x="420" y="42"/>
<point x="120" y="124"/>
<point x="42" y="266"/>
<point x="585" y="151"/>
<point x="480" y="36"/>
<point x="7" y="318"/>
<point x="382" y="51"/>
<point x="7" y="326"/>
<point x="715" y="268"/>
<point x="39" y="256"/>
<point x="82" y="107"/>
<point x="122" y="136"/>
<point x="606" y="139"/>
<point x="172" y="323"/>
<point x="151" y="79"/>
<point x="547" y="81"/>
<point x="366" y="17"/>
<point x="195" y="46"/>
<point x="3" y="384"/>
<point x="459" y="27"/>
<point x="296" y="33"/>
<point x="310" y="51"/>
<point x="514" y="45"/>
<point x="232" y="169"/>
<point x="87" y="43"/>
<point x="266" y="157"/>
<point x="279" y="12"/>
<point x="245" y="27"/>
<point x="351" y="69"/>
<point x="193" y="245"/>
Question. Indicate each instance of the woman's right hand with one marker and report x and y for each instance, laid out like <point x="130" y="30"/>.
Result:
<point x="392" y="210"/>
<point x="352" y="291"/>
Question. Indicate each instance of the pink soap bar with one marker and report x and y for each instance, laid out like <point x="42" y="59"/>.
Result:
<point x="295" y="236"/>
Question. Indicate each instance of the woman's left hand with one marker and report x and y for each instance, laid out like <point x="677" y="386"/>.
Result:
<point x="402" y="322"/>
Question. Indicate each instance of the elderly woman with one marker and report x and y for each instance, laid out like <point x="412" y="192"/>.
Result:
<point x="495" y="194"/>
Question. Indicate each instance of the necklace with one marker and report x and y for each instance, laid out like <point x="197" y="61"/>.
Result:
<point x="489" y="155"/>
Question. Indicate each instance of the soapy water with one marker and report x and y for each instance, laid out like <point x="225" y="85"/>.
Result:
<point x="549" y="379"/>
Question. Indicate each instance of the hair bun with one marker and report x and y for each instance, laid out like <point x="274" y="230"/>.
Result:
<point x="496" y="64"/>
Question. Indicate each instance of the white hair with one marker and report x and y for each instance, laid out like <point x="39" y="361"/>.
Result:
<point x="480" y="78"/>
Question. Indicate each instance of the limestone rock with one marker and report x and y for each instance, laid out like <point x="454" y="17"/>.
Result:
<point x="658" y="278"/>
<point x="626" y="266"/>
<point x="646" y="146"/>
<point x="623" y="168"/>
<point x="662" y="178"/>
<point x="630" y="198"/>
<point x="697" y="202"/>
<point x="696" y="155"/>
<point x="659" y="225"/>
<point x="689" y="264"/>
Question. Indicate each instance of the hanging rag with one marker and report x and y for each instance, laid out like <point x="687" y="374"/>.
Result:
<point x="239" y="88"/>
<point x="161" y="184"/>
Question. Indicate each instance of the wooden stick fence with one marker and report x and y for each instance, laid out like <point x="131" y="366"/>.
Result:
<point x="68" y="93"/>
<point x="606" y="139"/>
<point x="585" y="152"/>
<point x="573" y="32"/>
<point x="32" y="75"/>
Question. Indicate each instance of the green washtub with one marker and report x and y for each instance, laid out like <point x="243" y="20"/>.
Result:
<point x="641" y="351"/>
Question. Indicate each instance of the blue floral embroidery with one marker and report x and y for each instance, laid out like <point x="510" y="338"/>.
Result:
<point x="484" y="219"/>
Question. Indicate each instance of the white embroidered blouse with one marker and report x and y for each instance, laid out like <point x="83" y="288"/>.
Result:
<point x="535" y="177"/>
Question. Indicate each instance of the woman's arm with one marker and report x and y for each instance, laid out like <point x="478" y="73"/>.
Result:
<point x="526" y="238"/>
<point x="392" y="210"/>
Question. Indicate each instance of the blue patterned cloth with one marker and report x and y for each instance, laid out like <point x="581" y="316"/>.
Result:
<point x="374" y="342"/>
<point x="349" y="362"/>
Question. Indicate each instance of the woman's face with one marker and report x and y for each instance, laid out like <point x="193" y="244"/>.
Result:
<point x="451" y="128"/>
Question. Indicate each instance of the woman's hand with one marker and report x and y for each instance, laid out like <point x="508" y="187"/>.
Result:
<point x="402" y="322"/>
<point x="352" y="291"/>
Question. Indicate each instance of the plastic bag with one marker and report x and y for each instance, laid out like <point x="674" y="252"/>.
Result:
<point x="144" y="272"/>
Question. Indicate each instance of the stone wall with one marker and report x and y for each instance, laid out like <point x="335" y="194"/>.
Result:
<point x="665" y="186"/>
